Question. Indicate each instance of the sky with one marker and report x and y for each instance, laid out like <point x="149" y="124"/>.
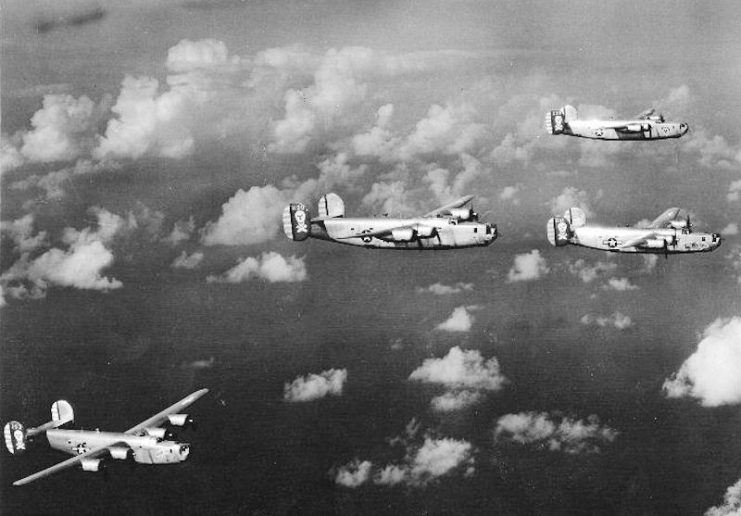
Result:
<point x="148" y="150"/>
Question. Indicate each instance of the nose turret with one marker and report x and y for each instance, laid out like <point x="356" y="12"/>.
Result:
<point x="717" y="239"/>
<point x="491" y="233"/>
<point x="683" y="128"/>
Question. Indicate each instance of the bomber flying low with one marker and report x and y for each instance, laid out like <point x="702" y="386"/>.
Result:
<point x="451" y="226"/>
<point x="666" y="235"/>
<point x="146" y="443"/>
<point x="646" y="126"/>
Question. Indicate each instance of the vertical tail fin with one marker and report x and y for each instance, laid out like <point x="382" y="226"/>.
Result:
<point x="62" y="413"/>
<point x="15" y="437"/>
<point x="556" y="121"/>
<point x="331" y="205"/>
<point x="558" y="231"/>
<point x="296" y="222"/>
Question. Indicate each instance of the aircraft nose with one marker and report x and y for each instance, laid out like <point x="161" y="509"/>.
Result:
<point x="717" y="239"/>
<point x="683" y="128"/>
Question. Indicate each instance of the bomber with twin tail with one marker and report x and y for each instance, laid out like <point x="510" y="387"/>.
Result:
<point x="667" y="234"/>
<point x="646" y="126"/>
<point x="452" y="226"/>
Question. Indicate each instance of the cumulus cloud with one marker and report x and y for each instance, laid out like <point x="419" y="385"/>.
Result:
<point x="465" y="375"/>
<point x="617" y="320"/>
<point x="249" y="217"/>
<point x="186" y="261"/>
<point x="315" y="386"/>
<point x="461" y="369"/>
<point x="712" y="374"/>
<point x="455" y="400"/>
<point x="440" y="290"/>
<point x="733" y="191"/>
<point x="527" y="267"/>
<point x="730" y="229"/>
<point x="731" y="505"/>
<point x="589" y="273"/>
<point x="20" y="231"/>
<point x="460" y="320"/>
<point x="190" y="55"/>
<point x="354" y="474"/>
<point x="79" y="266"/>
<point x="554" y="432"/>
<point x="571" y="197"/>
<point x="619" y="284"/>
<point x="422" y="465"/>
<point x="53" y="183"/>
<point x="270" y="266"/>
<point x="509" y="193"/>
<point x="63" y="129"/>
<point x="181" y="231"/>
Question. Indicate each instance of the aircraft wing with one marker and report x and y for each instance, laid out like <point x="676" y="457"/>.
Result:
<point x="74" y="461"/>
<point x="377" y="233"/>
<point x="633" y="242"/>
<point x="455" y="204"/>
<point x="663" y="219"/>
<point x="160" y="418"/>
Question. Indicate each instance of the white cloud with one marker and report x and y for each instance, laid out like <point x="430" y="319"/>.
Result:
<point x="181" y="230"/>
<point x="186" y="261"/>
<point x="712" y="374"/>
<point x="571" y="197"/>
<point x="53" y="182"/>
<point x="10" y="156"/>
<point x="249" y="217"/>
<point x="460" y="320"/>
<point x="619" y="284"/>
<point x="509" y="193"/>
<point x="617" y="320"/>
<point x="733" y="191"/>
<point x="21" y="232"/>
<point x="730" y="229"/>
<point x="461" y="369"/>
<point x="440" y="289"/>
<point x="354" y="474"/>
<point x="190" y="55"/>
<point x="63" y="129"/>
<point x="455" y="400"/>
<point x="731" y="503"/>
<point x="527" y="267"/>
<point x="554" y="432"/>
<point x="79" y="266"/>
<point x="315" y="386"/>
<point x="271" y="267"/>
<point x="422" y="465"/>
<point x="589" y="273"/>
<point x="150" y="123"/>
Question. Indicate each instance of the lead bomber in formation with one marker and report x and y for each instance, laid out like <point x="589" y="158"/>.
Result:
<point x="646" y="126"/>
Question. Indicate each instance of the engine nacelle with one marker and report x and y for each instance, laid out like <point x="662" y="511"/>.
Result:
<point x="654" y="244"/>
<point x="426" y="231"/>
<point x="634" y="128"/>
<point x="678" y="224"/>
<point x="90" y="464"/>
<point x="402" y="235"/>
<point x="177" y="419"/>
<point x="462" y="213"/>
<point x="159" y="433"/>
<point x="119" y="452"/>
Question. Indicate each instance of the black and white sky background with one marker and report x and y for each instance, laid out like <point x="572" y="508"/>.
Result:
<point x="148" y="149"/>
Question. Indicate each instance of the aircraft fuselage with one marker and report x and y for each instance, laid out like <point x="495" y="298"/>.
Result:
<point x="146" y="448"/>
<point x="677" y="240"/>
<point x="422" y="233"/>
<point x="624" y="129"/>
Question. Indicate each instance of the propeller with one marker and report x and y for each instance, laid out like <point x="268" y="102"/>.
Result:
<point x="666" y="250"/>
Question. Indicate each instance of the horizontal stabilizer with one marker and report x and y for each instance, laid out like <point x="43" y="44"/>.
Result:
<point x="575" y="217"/>
<point x="331" y="206"/>
<point x="62" y="413"/>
